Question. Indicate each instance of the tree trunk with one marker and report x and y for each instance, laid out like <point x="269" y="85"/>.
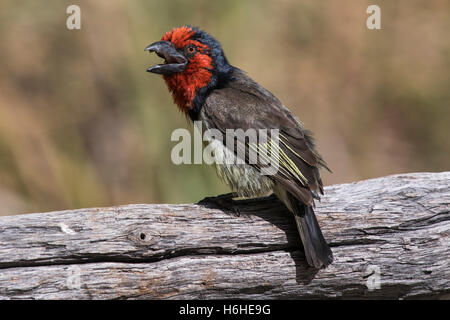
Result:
<point x="390" y="239"/>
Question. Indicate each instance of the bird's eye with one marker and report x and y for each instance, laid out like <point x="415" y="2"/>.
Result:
<point x="190" y="49"/>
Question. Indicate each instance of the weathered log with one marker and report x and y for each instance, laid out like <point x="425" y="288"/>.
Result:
<point x="390" y="239"/>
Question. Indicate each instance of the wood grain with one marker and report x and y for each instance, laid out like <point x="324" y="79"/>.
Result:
<point x="395" y="229"/>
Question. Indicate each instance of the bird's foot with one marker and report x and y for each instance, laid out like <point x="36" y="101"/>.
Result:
<point x="224" y="201"/>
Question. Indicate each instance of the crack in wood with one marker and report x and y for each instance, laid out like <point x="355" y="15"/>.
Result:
<point x="193" y="251"/>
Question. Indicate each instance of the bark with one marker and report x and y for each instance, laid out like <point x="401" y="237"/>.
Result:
<point x="390" y="239"/>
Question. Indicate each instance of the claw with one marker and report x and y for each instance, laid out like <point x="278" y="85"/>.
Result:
<point x="224" y="201"/>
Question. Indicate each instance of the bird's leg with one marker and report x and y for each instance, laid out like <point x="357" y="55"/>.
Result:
<point x="223" y="201"/>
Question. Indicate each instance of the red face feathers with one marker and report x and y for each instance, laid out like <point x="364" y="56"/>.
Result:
<point x="198" y="72"/>
<point x="194" y="64"/>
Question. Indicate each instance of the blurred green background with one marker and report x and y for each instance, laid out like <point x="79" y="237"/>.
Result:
<point x="82" y="124"/>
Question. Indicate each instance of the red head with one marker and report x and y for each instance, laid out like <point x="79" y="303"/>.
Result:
<point x="194" y="64"/>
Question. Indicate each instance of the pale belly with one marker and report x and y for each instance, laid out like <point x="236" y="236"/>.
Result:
<point x="243" y="179"/>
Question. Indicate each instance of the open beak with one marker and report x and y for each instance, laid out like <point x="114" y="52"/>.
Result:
<point x="174" y="61"/>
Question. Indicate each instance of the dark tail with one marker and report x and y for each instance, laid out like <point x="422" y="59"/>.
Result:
<point x="318" y="253"/>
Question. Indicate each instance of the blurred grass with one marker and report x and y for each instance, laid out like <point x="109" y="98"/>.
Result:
<point x="82" y="124"/>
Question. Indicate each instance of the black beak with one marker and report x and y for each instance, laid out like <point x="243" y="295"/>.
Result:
<point x="174" y="60"/>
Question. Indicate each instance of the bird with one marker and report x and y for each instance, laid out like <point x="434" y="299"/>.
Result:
<point x="211" y="91"/>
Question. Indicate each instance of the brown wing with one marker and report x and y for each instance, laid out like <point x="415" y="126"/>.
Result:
<point x="244" y="104"/>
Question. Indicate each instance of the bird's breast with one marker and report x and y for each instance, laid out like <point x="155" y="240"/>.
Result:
<point x="242" y="178"/>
